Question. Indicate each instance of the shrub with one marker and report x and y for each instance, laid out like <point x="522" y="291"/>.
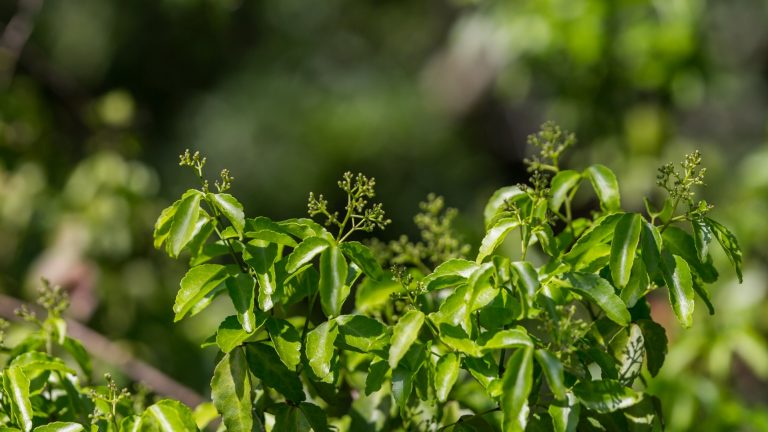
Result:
<point x="557" y="334"/>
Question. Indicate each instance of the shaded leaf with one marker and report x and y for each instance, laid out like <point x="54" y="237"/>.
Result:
<point x="729" y="244"/>
<point x="320" y="350"/>
<point x="655" y="338"/>
<point x="170" y="416"/>
<point x="287" y="341"/>
<point x="376" y="375"/>
<point x="265" y="364"/>
<point x="231" y="392"/>
<point x="677" y="277"/>
<point x="241" y="288"/>
<point x="605" y="396"/>
<point x="680" y="243"/>
<point x="517" y="383"/>
<point x="553" y="371"/>
<point x="600" y="292"/>
<point x="230" y="333"/>
<point x="363" y="257"/>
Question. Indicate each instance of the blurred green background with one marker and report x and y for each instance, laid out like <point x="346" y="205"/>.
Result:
<point x="98" y="97"/>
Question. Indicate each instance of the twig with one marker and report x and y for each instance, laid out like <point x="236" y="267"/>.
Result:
<point x="109" y="352"/>
<point x="15" y="36"/>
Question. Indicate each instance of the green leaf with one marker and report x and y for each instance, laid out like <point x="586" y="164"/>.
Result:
<point x="486" y="372"/>
<point x="261" y="258"/>
<point x="553" y="371"/>
<point x="184" y="222"/>
<point x="449" y="273"/>
<point x="361" y="333"/>
<point x="456" y="338"/>
<point x="265" y="364"/>
<point x="231" y="334"/>
<point x="287" y="341"/>
<point x="565" y="417"/>
<point x="650" y="248"/>
<point x="402" y="385"/>
<point x="601" y="230"/>
<point x="494" y="236"/>
<point x="230" y="208"/>
<point x="60" y="427"/>
<point x="263" y="228"/>
<point x="562" y="184"/>
<point x="655" y="338"/>
<point x="446" y="373"/>
<point x="362" y="256"/>
<point x="631" y="356"/>
<point x="321" y="350"/>
<point x="196" y="285"/>
<point x="517" y="383"/>
<point x="333" y="276"/>
<point x="304" y="228"/>
<point x="600" y="292"/>
<point x="241" y="288"/>
<point x="637" y="285"/>
<point x="729" y="244"/>
<point x="304" y="253"/>
<point x="680" y="243"/>
<point x="702" y="236"/>
<point x="677" y="276"/>
<point x="35" y="362"/>
<point x="170" y="416"/>
<point x="623" y="247"/>
<point x="231" y="392"/>
<point x="302" y="418"/>
<point x="605" y="396"/>
<point x="132" y="423"/>
<point x="377" y="373"/>
<point x="527" y="278"/>
<point x="509" y="338"/>
<point x="498" y="200"/>
<point x="16" y="386"/>
<point x="404" y="335"/>
<point x="605" y="185"/>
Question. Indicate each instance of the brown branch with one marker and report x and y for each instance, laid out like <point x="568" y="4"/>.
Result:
<point x="109" y="352"/>
<point x="15" y="36"/>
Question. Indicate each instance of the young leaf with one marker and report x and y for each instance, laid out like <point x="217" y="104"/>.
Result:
<point x="553" y="371"/>
<point x="265" y="364"/>
<point x="60" y="427"/>
<point x="729" y="244"/>
<point x="304" y="253"/>
<point x="517" y="383"/>
<point x="16" y="386"/>
<point x="623" y="248"/>
<point x="508" y="194"/>
<point x="605" y="396"/>
<point x="230" y="208"/>
<point x="170" y="416"/>
<point x="241" y="288"/>
<point x="655" y="338"/>
<point x="320" y="350"/>
<point x="677" y="276"/>
<point x="198" y="283"/>
<point x="605" y="185"/>
<point x="562" y="184"/>
<point x="446" y="373"/>
<point x="333" y="276"/>
<point x="404" y="335"/>
<point x="287" y="341"/>
<point x="600" y="292"/>
<point x="362" y="256"/>
<point x="231" y="392"/>
<point x="494" y="236"/>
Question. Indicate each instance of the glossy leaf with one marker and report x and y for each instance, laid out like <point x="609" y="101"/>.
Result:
<point x="404" y="335"/>
<point x="184" y="222"/>
<point x="265" y="364"/>
<point x="231" y="208"/>
<point x="456" y="338"/>
<point x="637" y="285"/>
<point x="600" y="292"/>
<point x="361" y="333"/>
<point x="631" y="355"/>
<point x="263" y="228"/>
<point x="16" y="386"/>
<point x="601" y="230"/>
<point x="231" y="392"/>
<point x="321" y="350"/>
<point x="623" y="247"/>
<point x="680" y="243"/>
<point x="729" y="244"/>
<point x="333" y="277"/>
<point x="60" y="427"/>
<point x="446" y="373"/>
<point x="650" y="247"/>
<point x="702" y="236"/>
<point x="198" y="283"/>
<point x="287" y="341"/>
<point x="553" y="371"/>
<point x="498" y="200"/>
<point x="376" y="375"/>
<point x="363" y="257"/>
<point x="605" y="396"/>
<point x="655" y="339"/>
<point x="677" y="276"/>
<point x="495" y="236"/>
<point x="35" y="362"/>
<point x="241" y="288"/>
<point x="509" y="338"/>
<point x="261" y="258"/>
<point x="526" y="278"/>
<point x="304" y="252"/>
<point x="402" y="385"/>
<point x="170" y="416"/>
<point x="606" y="186"/>
<point x="565" y="416"/>
<point x="231" y="333"/>
<point x="517" y="383"/>
<point x="562" y="184"/>
<point x="304" y="417"/>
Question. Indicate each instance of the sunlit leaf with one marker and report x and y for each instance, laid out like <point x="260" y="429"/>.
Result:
<point x="16" y="386"/>
<point x="184" y="221"/>
<point x="199" y="282"/>
<point x="321" y="350"/>
<point x="605" y="396"/>
<point x="553" y="371"/>
<point x="446" y="373"/>
<point x="170" y="416"/>
<point x="304" y="252"/>
<point x="363" y="257"/>
<point x="404" y="335"/>
<point x="231" y="392"/>
<point x="231" y="208"/>
<point x="333" y="277"/>
<point x="606" y="186"/>
<point x="517" y="383"/>
<point x="600" y="292"/>
<point x="623" y="247"/>
<point x="562" y="184"/>
<point x="495" y="236"/>
<point x="677" y="277"/>
<point x="287" y="341"/>
<point x="241" y="288"/>
<point x="729" y="244"/>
